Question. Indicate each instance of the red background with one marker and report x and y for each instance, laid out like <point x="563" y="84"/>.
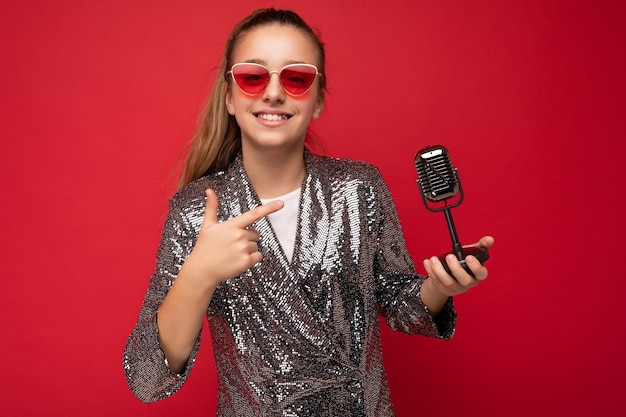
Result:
<point x="98" y="99"/>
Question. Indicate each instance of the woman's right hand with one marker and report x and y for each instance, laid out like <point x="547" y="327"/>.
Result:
<point x="223" y="251"/>
<point x="226" y="249"/>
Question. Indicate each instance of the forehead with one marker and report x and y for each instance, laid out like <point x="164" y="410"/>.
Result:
<point x="276" y="45"/>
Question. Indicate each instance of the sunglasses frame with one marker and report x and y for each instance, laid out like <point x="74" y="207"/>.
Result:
<point x="269" y="76"/>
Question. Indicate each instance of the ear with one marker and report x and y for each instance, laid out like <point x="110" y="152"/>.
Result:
<point x="228" y="98"/>
<point x="319" y="108"/>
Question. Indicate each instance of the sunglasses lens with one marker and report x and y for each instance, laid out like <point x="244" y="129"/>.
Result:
<point x="297" y="79"/>
<point x="250" y="78"/>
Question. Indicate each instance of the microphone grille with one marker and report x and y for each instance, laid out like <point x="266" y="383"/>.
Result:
<point x="436" y="175"/>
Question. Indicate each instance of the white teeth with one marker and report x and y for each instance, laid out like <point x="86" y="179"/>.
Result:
<point x="272" y="117"/>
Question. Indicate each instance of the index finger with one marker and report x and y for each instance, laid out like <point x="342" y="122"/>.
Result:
<point x="257" y="213"/>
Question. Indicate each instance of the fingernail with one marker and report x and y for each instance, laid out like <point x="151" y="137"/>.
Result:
<point x="426" y="263"/>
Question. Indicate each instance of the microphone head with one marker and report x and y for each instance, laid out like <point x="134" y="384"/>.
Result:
<point x="437" y="178"/>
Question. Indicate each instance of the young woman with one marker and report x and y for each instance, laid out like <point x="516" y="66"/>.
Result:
<point x="290" y="255"/>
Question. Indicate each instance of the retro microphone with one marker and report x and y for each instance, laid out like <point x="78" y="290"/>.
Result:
<point x="438" y="182"/>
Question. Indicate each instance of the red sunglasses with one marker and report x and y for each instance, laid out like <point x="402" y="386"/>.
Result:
<point x="296" y="79"/>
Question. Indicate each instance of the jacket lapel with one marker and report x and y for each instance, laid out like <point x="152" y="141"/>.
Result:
<point x="314" y="220"/>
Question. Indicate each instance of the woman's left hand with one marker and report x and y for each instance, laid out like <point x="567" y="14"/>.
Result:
<point x="459" y="281"/>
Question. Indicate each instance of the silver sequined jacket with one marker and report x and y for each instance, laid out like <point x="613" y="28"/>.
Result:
<point x="297" y="338"/>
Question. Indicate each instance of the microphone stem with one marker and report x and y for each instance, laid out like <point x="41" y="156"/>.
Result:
<point x="456" y="245"/>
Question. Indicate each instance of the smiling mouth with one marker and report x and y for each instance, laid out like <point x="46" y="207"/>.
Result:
<point x="272" y="117"/>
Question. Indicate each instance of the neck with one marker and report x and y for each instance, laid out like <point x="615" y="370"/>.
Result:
<point x="274" y="173"/>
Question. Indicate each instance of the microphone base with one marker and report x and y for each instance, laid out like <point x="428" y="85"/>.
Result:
<point x="481" y="254"/>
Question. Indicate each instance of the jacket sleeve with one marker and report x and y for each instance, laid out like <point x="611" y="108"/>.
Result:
<point x="398" y="284"/>
<point x="145" y="365"/>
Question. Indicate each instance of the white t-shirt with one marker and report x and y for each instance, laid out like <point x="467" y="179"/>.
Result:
<point x="285" y="221"/>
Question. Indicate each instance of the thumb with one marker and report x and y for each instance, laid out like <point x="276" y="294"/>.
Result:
<point x="485" y="242"/>
<point x="210" y="212"/>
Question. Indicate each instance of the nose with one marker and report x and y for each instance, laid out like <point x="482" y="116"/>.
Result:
<point x="274" y="91"/>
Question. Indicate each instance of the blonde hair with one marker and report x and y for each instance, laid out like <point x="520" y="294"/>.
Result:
<point x="217" y="139"/>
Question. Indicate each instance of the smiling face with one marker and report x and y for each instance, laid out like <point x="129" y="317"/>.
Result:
<point x="273" y="118"/>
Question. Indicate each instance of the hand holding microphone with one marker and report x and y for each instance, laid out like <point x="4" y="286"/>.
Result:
<point x="439" y="182"/>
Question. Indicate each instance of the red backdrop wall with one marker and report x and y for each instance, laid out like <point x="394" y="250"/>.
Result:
<point x="98" y="99"/>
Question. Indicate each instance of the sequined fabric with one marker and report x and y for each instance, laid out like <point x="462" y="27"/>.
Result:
<point x="297" y="338"/>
